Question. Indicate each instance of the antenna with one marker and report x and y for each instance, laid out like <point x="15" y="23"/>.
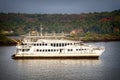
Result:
<point x="41" y="29"/>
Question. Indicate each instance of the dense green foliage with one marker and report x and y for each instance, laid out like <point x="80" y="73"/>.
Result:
<point x="98" y="23"/>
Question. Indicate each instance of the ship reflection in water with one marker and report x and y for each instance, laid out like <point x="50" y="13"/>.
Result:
<point x="55" y="69"/>
<point x="60" y="62"/>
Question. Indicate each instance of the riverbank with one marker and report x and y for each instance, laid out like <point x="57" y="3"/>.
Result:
<point x="4" y="41"/>
<point x="7" y="42"/>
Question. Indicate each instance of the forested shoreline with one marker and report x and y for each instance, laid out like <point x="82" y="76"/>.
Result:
<point x="92" y="26"/>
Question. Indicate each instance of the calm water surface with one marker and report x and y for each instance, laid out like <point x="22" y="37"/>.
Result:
<point x="107" y="67"/>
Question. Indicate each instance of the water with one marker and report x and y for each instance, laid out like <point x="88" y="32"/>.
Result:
<point x="107" y="67"/>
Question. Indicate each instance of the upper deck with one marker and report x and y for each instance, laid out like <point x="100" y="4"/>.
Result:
<point x="45" y="35"/>
<point x="34" y="37"/>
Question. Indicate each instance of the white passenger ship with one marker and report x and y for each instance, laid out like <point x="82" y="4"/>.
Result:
<point x="55" y="46"/>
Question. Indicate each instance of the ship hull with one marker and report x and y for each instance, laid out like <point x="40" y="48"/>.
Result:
<point x="56" y="56"/>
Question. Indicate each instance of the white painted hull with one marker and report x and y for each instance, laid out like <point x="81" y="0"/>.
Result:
<point x="52" y="55"/>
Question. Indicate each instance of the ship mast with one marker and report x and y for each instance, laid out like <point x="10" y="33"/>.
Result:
<point x="41" y="29"/>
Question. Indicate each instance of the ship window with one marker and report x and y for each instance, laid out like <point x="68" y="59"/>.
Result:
<point x="65" y="44"/>
<point x="34" y="44"/>
<point x="37" y="44"/>
<point x="45" y="44"/>
<point x="23" y="50"/>
<point x="51" y="44"/>
<point x="68" y="49"/>
<point x="37" y="49"/>
<point x="54" y="50"/>
<point x="40" y="50"/>
<point x="51" y="50"/>
<point x="57" y="44"/>
<point x="40" y="44"/>
<point x="76" y="49"/>
<point x="43" y="50"/>
<point x="62" y="44"/>
<point x="54" y="44"/>
<point x="48" y="50"/>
